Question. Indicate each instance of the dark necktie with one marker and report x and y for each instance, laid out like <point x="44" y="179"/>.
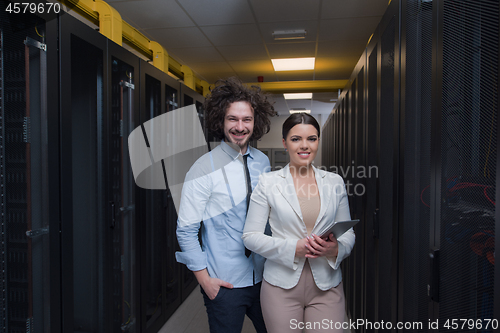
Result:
<point x="249" y="191"/>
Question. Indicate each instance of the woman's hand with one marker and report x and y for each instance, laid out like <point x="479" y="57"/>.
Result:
<point x="301" y="249"/>
<point x="319" y="247"/>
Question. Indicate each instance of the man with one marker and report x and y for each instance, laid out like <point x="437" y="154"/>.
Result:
<point x="217" y="191"/>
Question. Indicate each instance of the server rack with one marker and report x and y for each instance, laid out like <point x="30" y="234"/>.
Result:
<point x="85" y="225"/>
<point x="173" y="278"/>
<point x="371" y="266"/>
<point x="190" y="97"/>
<point x="154" y="208"/>
<point x="466" y="63"/>
<point x="415" y="183"/>
<point x="430" y="127"/>
<point x="160" y="274"/>
<point x="354" y="171"/>
<point x="29" y="208"/>
<point x="372" y="184"/>
<point x="101" y="259"/>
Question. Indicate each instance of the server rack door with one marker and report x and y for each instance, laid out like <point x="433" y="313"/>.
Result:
<point x="84" y="223"/>
<point x="351" y="132"/>
<point x="173" y="285"/>
<point x="24" y="151"/>
<point x="386" y="169"/>
<point x="379" y="262"/>
<point x="416" y="184"/>
<point x="154" y="223"/>
<point x="469" y="123"/>
<point x="209" y="137"/>
<point x="327" y="145"/>
<point x="127" y="229"/>
<point x="358" y="171"/>
<point x="88" y="209"/>
<point x="190" y="97"/>
<point x="160" y="287"/>
<point x="382" y="59"/>
<point x="345" y="129"/>
<point x="371" y="222"/>
<point x="172" y="101"/>
<point x="348" y="266"/>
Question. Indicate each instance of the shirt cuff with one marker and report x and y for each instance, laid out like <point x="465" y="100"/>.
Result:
<point x="194" y="260"/>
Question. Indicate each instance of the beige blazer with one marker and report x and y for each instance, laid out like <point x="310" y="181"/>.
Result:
<point x="275" y="198"/>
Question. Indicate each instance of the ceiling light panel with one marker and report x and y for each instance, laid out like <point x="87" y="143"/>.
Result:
<point x="289" y="34"/>
<point x="293" y="64"/>
<point x="298" y="96"/>
<point x="299" y="111"/>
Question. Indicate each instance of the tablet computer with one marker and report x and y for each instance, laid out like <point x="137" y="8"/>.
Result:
<point x="338" y="228"/>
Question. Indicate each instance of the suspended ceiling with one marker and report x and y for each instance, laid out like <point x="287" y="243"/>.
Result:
<point x="221" y="38"/>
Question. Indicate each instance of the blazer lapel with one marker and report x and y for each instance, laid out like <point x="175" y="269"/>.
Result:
<point x="287" y="190"/>
<point x="324" y="192"/>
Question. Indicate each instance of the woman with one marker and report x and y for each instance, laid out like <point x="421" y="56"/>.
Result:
<point x="302" y="285"/>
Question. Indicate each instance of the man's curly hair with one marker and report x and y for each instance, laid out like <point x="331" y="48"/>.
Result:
<point x="230" y="90"/>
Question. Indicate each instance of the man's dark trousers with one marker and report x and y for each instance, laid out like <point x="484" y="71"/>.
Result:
<point x="226" y="312"/>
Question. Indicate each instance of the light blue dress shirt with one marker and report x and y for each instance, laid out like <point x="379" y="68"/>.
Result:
<point x="215" y="192"/>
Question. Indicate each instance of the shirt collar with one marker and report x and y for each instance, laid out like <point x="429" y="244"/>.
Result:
<point x="233" y="153"/>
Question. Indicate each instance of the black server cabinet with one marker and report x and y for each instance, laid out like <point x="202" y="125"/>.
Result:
<point x="174" y="273"/>
<point x="375" y="148"/>
<point x="85" y="224"/>
<point x="100" y="222"/>
<point x="355" y="176"/>
<point x="123" y="104"/>
<point x="343" y="133"/>
<point x="153" y="211"/>
<point x="84" y="249"/>
<point x="430" y="114"/>
<point x="359" y="185"/>
<point x="467" y="124"/>
<point x="160" y="273"/>
<point x="371" y="223"/>
<point x="28" y="183"/>
<point x="190" y="97"/>
<point x="388" y="162"/>
<point x="415" y="181"/>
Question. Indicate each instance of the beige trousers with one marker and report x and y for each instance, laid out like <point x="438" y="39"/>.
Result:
<point x="304" y="308"/>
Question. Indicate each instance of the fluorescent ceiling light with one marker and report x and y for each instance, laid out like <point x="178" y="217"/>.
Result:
<point x="289" y="34"/>
<point x="293" y="64"/>
<point x="298" y="96"/>
<point x="299" y="111"/>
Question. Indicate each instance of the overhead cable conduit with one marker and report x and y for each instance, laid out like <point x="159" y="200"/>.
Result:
<point x="113" y="27"/>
